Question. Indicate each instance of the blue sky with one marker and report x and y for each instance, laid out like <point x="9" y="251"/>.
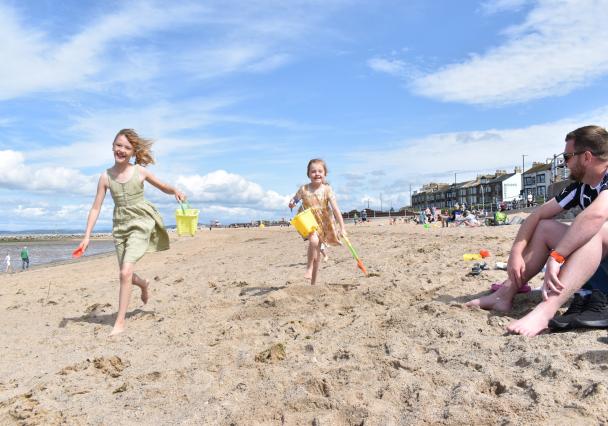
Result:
<point x="239" y="95"/>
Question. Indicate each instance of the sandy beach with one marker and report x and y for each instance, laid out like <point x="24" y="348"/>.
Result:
<point x="234" y="335"/>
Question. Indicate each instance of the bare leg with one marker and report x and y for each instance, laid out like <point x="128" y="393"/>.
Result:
<point x="124" y="296"/>
<point x="144" y="285"/>
<point x="581" y="265"/>
<point x="547" y="234"/>
<point x="313" y="243"/>
<point x="314" y="254"/>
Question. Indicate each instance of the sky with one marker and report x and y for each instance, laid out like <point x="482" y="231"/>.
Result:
<point x="239" y="95"/>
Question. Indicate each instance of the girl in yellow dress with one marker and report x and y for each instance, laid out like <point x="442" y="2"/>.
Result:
<point x="137" y="226"/>
<point x="319" y="197"/>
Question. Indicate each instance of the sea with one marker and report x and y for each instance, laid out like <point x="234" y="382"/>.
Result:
<point x="47" y="248"/>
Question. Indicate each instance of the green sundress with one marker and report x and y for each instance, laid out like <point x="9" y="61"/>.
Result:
<point x="137" y="226"/>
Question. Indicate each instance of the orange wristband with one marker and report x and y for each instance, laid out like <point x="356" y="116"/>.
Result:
<point x="558" y="257"/>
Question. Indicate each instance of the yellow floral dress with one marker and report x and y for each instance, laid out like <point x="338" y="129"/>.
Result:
<point x="319" y="203"/>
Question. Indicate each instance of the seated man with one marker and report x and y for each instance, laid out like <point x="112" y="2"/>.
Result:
<point x="571" y="253"/>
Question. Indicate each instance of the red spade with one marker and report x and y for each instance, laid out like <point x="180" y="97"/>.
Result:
<point x="78" y="252"/>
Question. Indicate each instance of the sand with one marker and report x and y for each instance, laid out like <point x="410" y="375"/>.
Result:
<point x="234" y="335"/>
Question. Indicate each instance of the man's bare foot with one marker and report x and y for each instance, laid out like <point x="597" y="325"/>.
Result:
<point x="117" y="330"/>
<point x="144" y="291"/>
<point x="308" y="275"/>
<point x="501" y="301"/>
<point x="533" y="323"/>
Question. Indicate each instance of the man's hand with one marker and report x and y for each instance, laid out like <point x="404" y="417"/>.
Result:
<point x="551" y="282"/>
<point x="516" y="268"/>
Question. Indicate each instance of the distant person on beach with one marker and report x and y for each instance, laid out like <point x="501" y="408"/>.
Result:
<point x="7" y="263"/>
<point x="571" y="253"/>
<point x="25" y="259"/>
<point x="470" y="219"/>
<point x="319" y="197"/>
<point x="137" y="225"/>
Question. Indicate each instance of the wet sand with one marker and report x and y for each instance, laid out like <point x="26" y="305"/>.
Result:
<point x="234" y="335"/>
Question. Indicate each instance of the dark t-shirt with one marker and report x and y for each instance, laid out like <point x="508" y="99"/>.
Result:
<point x="580" y="194"/>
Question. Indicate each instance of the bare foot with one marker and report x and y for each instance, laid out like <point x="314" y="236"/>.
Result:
<point x="308" y="275"/>
<point x="117" y="330"/>
<point x="501" y="301"/>
<point x="144" y="291"/>
<point x="533" y="323"/>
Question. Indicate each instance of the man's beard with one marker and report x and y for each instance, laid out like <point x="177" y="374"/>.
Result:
<point x="576" y="174"/>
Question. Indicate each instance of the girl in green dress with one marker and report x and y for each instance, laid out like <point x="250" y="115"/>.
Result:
<point x="137" y="226"/>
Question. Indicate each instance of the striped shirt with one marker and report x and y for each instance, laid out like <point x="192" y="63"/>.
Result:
<point x="580" y="194"/>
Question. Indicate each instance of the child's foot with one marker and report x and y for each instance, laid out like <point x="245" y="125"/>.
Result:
<point x="117" y="330"/>
<point x="308" y="275"/>
<point x="144" y="291"/>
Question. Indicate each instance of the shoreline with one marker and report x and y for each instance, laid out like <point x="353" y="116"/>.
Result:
<point x="16" y="238"/>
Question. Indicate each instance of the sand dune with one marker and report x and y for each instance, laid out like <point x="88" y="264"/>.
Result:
<point x="234" y="335"/>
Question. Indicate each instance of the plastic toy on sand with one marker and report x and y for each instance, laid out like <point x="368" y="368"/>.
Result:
<point x="305" y="223"/>
<point x="484" y="253"/>
<point x="78" y="252"/>
<point x="471" y="256"/>
<point x="186" y="220"/>
<point x="355" y="256"/>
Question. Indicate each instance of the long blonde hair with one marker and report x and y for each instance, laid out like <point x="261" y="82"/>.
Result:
<point x="142" y="147"/>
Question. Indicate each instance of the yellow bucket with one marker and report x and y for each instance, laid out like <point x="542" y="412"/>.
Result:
<point x="186" y="221"/>
<point x="305" y="223"/>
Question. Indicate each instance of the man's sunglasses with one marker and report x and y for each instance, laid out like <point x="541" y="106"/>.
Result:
<point x="568" y="155"/>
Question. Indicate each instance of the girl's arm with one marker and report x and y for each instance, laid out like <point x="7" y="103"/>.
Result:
<point x="102" y="187"/>
<point x="296" y="199"/>
<point x="337" y="214"/>
<point x="166" y="188"/>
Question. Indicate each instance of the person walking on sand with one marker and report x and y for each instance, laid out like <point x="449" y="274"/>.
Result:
<point x="25" y="259"/>
<point x="319" y="197"/>
<point x="137" y="225"/>
<point x="7" y="263"/>
<point x="571" y="253"/>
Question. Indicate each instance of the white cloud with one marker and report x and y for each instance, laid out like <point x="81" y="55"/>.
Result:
<point x="437" y="156"/>
<point x="495" y="6"/>
<point x="561" y="46"/>
<point x="17" y="175"/>
<point x="38" y="63"/>
<point x="30" y="211"/>
<point x="393" y="67"/>
<point x="231" y="190"/>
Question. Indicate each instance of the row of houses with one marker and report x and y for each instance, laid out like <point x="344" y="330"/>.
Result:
<point x="493" y="189"/>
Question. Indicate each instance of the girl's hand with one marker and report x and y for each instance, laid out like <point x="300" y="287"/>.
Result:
<point x="84" y="244"/>
<point x="180" y="196"/>
<point x="343" y="232"/>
